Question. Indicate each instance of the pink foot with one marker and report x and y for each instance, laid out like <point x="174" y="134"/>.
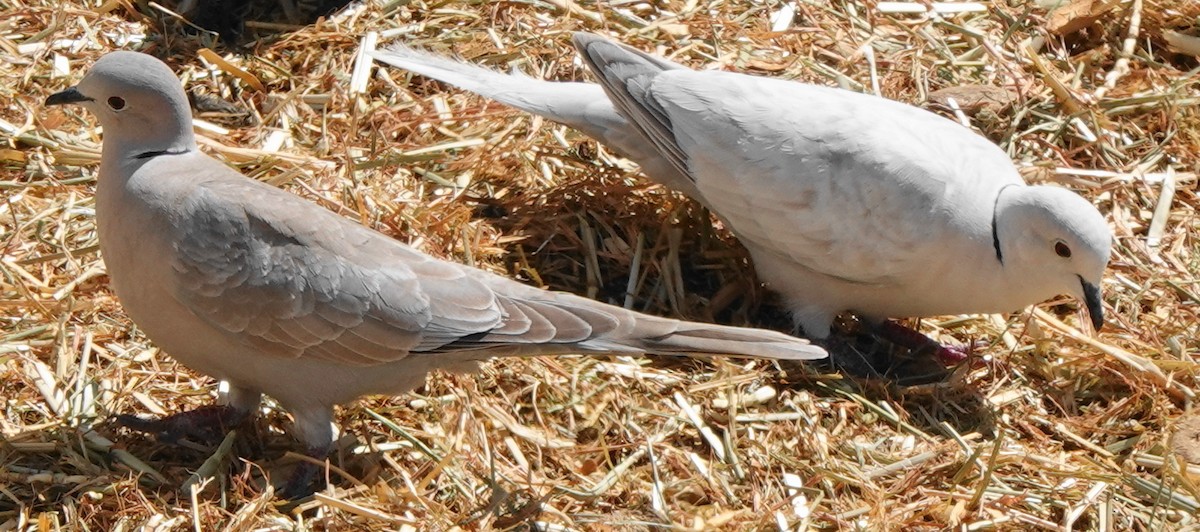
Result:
<point x="953" y="355"/>
<point x="913" y="340"/>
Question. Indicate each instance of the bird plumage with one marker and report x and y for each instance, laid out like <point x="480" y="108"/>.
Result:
<point x="245" y="282"/>
<point x="845" y="201"/>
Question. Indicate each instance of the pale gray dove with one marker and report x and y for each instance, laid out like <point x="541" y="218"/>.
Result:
<point x="244" y="282"/>
<point x="846" y="201"/>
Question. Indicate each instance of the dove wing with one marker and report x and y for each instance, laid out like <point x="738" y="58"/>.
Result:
<point x="292" y="279"/>
<point x="850" y="186"/>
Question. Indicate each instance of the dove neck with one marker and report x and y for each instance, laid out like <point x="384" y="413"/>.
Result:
<point x="1010" y="225"/>
<point x="162" y="130"/>
<point x="1017" y="232"/>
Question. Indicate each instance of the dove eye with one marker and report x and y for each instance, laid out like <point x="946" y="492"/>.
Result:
<point x="1062" y="249"/>
<point x="116" y="104"/>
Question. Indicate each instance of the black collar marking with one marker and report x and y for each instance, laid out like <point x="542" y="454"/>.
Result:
<point x="995" y="230"/>
<point x="156" y="153"/>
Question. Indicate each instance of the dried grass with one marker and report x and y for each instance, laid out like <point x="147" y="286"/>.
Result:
<point x="1059" y="430"/>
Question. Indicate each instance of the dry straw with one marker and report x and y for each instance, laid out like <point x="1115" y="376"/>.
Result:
<point x="1060" y="429"/>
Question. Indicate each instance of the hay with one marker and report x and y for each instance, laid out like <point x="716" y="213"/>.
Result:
<point x="1058" y="430"/>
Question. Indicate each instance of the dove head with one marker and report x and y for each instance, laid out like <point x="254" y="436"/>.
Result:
<point x="1052" y="241"/>
<point x="138" y="101"/>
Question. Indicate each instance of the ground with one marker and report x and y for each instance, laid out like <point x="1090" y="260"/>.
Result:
<point x="1051" y="426"/>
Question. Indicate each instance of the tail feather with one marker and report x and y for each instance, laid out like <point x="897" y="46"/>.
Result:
<point x="594" y="326"/>
<point x="583" y="106"/>
<point x="697" y="338"/>
<point x="541" y="322"/>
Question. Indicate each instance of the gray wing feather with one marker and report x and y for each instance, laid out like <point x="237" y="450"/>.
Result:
<point x="250" y="263"/>
<point x="627" y="75"/>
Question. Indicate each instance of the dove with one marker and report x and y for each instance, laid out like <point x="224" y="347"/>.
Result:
<point x="247" y="283"/>
<point x="846" y="202"/>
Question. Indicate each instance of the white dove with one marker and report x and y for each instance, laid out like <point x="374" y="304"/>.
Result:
<point x="846" y="201"/>
<point x="244" y="282"/>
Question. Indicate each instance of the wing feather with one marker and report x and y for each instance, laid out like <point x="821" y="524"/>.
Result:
<point x="250" y="263"/>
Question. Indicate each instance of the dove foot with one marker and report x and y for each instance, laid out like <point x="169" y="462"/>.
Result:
<point x="952" y="355"/>
<point x="305" y="478"/>
<point x="868" y="357"/>
<point x="917" y="342"/>
<point x="207" y="424"/>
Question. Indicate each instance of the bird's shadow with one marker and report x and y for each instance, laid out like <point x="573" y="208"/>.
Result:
<point x="258" y="455"/>
<point x="232" y="25"/>
<point x="932" y="397"/>
<point x="262" y="453"/>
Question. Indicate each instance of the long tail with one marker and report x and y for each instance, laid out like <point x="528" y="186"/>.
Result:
<point x="656" y="335"/>
<point x="703" y="338"/>
<point x="583" y="106"/>
<point x="541" y="322"/>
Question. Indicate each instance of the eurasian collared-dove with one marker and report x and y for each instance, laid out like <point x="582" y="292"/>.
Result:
<point x="845" y="201"/>
<point x="245" y="282"/>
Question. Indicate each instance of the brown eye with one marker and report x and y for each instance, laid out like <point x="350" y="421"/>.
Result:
<point x="116" y="104"/>
<point x="1061" y="248"/>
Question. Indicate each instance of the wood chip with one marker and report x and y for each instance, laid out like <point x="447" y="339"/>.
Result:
<point x="1078" y="14"/>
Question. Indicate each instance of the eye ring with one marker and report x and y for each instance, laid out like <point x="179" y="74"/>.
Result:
<point x="116" y="103"/>
<point x="1062" y="249"/>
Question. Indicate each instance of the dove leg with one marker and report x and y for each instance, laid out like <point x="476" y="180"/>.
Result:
<point x="207" y="424"/>
<point x="315" y="429"/>
<point x="910" y="339"/>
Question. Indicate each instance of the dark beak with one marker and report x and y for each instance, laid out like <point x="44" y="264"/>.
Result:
<point x="1091" y="298"/>
<point x="71" y="95"/>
